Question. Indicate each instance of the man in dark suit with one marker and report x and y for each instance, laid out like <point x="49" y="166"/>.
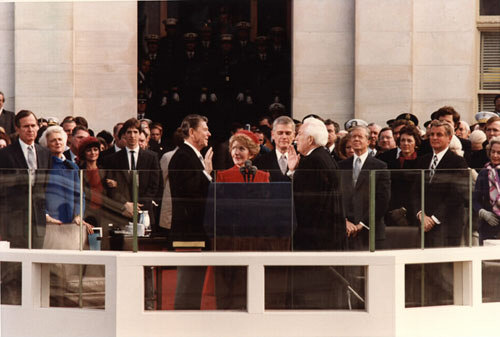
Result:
<point x="356" y="192"/>
<point x="189" y="181"/>
<point x="15" y="160"/>
<point x="443" y="215"/>
<point x="78" y="134"/>
<point x="275" y="162"/>
<point x="319" y="213"/>
<point x="449" y="115"/>
<point x="6" y="117"/>
<point x="333" y="128"/>
<point x="444" y="201"/>
<point x="131" y="158"/>
<point x="118" y="144"/>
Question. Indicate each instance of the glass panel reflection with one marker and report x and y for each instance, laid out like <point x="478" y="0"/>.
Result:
<point x="75" y="285"/>
<point x="490" y="277"/>
<point x="315" y="287"/>
<point x="11" y="286"/>
<point x="195" y="288"/>
<point x="429" y="284"/>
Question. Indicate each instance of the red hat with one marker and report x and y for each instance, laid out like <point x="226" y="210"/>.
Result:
<point x="250" y="135"/>
<point x="85" y="144"/>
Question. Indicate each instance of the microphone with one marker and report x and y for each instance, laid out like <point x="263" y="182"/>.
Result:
<point x="244" y="173"/>
<point x="248" y="168"/>
<point x="253" y="172"/>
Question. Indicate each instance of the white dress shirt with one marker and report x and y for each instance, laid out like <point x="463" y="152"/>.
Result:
<point x="24" y="148"/>
<point x="136" y="156"/>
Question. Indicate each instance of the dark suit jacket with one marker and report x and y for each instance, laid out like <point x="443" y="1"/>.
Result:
<point x="7" y="121"/>
<point x="189" y="188"/>
<point x="269" y="162"/>
<point x="357" y="199"/>
<point x="444" y="198"/>
<point x="148" y="169"/>
<point x="318" y="204"/>
<point x="387" y="156"/>
<point x="14" y="195"/>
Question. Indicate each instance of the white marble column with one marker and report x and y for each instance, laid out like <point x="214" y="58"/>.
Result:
<point x="383" y="48"/>
<point x="77" y="59"/>
<point x="414" y="56"/>
<point x="323" y="58"/>
<point x="7" y="79"/>
<point x="445" y="67"/>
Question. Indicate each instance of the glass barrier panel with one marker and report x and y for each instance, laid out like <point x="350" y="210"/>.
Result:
<point x="402" y="227"/>
<point x="18" y="206"/>
<point x="195" y="288"/>
<point x="73" y="286"/>
<point x="110" y="208"/>
<point x="486" y="216"/>
<point x="315" y="287"/>
<point x="446" y="196"/>
<point x="490" y="277"/>
<point x="320" y="220"/>
<point x="250" y="212"/>
<point x="192" y="209"/>
<point x="429" y="284"/>
<point x="11" y="285"/>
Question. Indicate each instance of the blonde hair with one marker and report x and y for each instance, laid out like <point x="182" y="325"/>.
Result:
<point x="244" y="140"/>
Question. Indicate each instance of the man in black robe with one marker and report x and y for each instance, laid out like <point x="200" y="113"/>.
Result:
<point x="320" y="218"/>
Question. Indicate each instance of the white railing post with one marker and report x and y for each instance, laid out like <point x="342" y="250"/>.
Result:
<point x="255" y="289"/>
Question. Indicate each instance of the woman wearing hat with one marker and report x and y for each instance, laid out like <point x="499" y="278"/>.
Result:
<point x="94" y="182"/>
<point x="243" y="146"/>
<point x="229" y="282"/>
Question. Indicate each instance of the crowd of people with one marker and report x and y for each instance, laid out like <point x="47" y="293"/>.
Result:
<point x="328" y="169"/>
<point x="285" y="154"/>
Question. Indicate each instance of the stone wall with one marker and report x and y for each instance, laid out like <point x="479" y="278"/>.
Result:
<point x="77" y="59"/>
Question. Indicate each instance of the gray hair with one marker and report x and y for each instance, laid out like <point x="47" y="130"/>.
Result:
<point x="317" y="129"/>
<point x="465" y="124"/>
<point x="283" y="120"/>
<point x="456" y="146"/>
<point x="493" y="141"/>
<point x="364" y="128"/>
<point x="50" y="130"/>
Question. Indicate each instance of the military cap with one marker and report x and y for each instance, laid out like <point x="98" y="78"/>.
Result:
<point x="226" y="37"/>
<point x="261" y="39"/>
<point x="152" y="38"/>
<point x="190" y="36"/>
<point x="243" y="25"/>
<point x="483" y="116"/>
<point x="354" y="122"/>
<point x="408" y="117"/>
<point x="276" y="106"/>
<point x="52" y="121"/>
<point x="427" y="123"/>
<point x="277" y="30"/>
<point x="170" y="22"/>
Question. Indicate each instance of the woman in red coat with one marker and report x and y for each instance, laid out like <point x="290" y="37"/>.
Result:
<point x="243" y="146"/>
<point x="230" y="282"/>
